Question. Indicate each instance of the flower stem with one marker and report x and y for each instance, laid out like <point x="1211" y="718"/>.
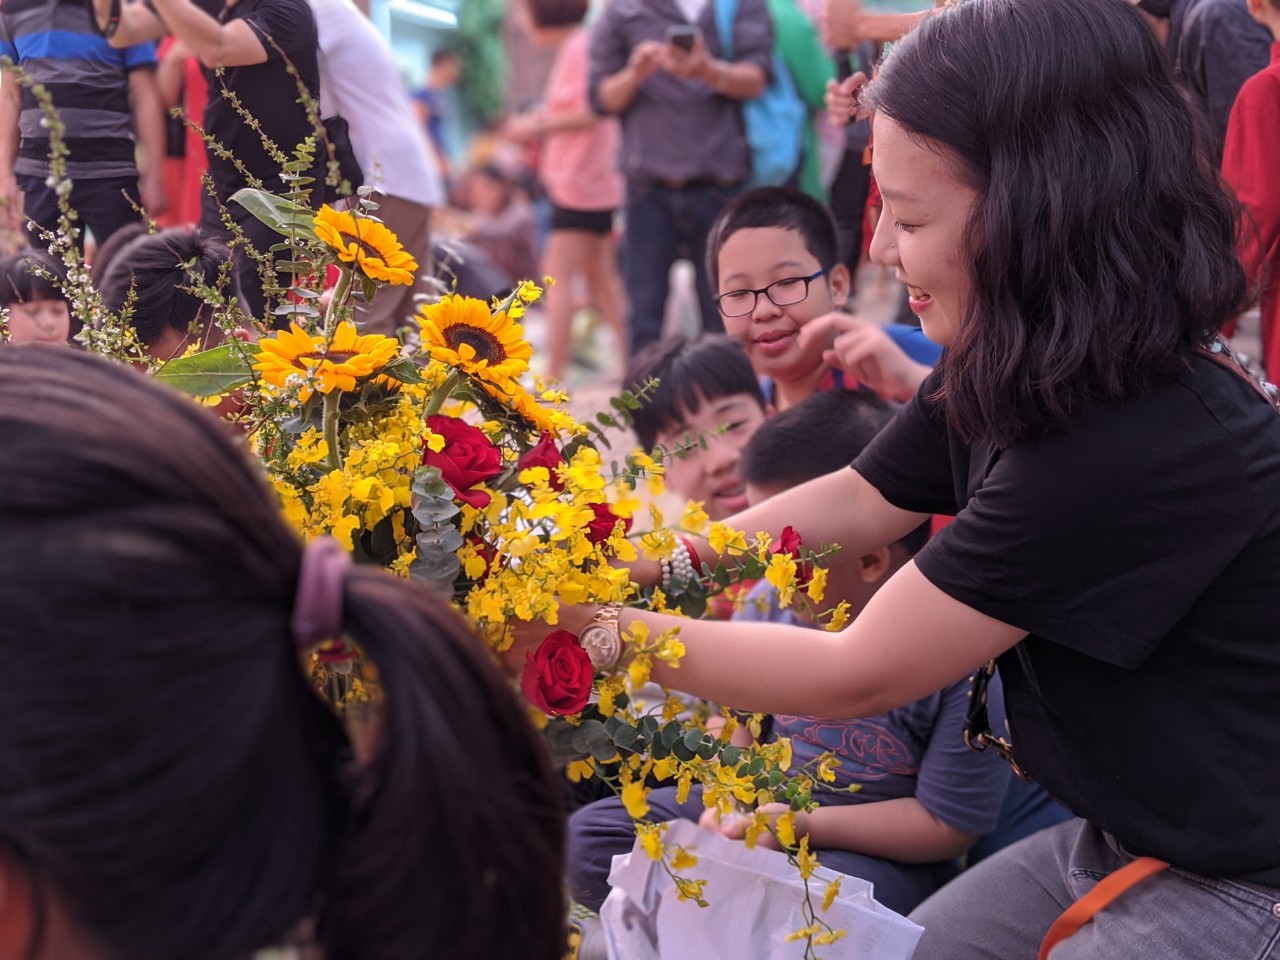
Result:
<point x="340" y="293"/>
<point x="442" y="394"/>
<point x="330" y="425"/>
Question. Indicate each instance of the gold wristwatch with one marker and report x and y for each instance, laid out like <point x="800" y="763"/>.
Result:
<point x="602" y="638"/>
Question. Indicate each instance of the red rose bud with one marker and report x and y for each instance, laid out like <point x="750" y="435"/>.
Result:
<point x="468" y="458"/>
<point x="789" y="543"/>
<point x="558" y="675"/>
<point x="600" y="529"/>
<point x="545" y="454"/>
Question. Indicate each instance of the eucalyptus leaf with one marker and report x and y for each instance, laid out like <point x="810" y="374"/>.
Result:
<point x="281" y="215"/>
<point x="211" y="373"/>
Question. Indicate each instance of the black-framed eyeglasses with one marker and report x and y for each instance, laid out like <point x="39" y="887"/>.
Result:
<point x="977" y="722"/>
<point x="783" y="293"/>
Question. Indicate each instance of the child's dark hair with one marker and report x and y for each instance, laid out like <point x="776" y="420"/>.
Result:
<point x="557" y="13"/>
<point x="690" y="373"/>
<point x="164" y="270"/>
<point x="775" y="207"/>
<point x="167" y="772"/>
<point x="820" y="435"/>
<point x="1101" y="244"/>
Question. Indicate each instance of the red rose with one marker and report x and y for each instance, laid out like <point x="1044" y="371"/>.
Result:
<point x="789" y="543"/>
<point x="601" y="528"/>
<point x="558" y="675"/>
<point x="545" y="454"/>
<point x="468" y="458"/>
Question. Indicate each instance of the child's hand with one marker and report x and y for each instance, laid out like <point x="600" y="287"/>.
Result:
<point x="864" y="352"/>
<point x="842" y="100"/>
<point x="734" y="826"/>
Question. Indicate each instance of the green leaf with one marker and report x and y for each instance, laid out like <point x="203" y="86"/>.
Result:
<point x="626" y="737"/>
<point x="281" y="215"/>
<point x="403" y="370"/>
<point x="211" y="373"/>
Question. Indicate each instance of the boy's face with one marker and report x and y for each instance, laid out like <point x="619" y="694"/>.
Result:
<point x="756" y="257"/>
<point x="711" y="475"/>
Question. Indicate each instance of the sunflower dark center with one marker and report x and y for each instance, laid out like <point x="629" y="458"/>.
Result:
<point x="367" y="248"/>
<point x="337" y="356"/>
<point x="485" y="344"/>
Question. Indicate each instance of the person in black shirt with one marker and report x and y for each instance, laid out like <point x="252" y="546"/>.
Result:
<point x="1115" y="482"/>
<point x="247" y="50"/>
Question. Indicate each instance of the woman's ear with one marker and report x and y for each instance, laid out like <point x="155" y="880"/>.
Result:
<point x="841" y="285"/>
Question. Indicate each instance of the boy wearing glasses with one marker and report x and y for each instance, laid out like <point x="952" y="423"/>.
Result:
<point x="773" y="260"/>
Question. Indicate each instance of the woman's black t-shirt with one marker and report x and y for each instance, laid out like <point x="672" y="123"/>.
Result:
<point x="266" y="91"/>
<point x="1140" y="547"/>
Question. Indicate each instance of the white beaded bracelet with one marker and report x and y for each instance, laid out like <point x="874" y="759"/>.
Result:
<point x="678" y="570"/>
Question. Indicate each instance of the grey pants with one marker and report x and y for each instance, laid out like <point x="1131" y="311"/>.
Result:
<point x="1001" y="908"/>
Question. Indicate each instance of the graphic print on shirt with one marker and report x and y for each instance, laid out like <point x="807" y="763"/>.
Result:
<point x="867" y="749"/>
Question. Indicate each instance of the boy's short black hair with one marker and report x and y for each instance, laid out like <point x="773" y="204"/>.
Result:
<point x="30" y="275"/>
<point x="691" y="373"/>
<point x="819" y="435"/>
<point x="443" y="54"/>
<point x="775" y="207"/>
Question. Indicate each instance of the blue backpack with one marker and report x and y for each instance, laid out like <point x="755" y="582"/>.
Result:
<point x="775" y="120"/>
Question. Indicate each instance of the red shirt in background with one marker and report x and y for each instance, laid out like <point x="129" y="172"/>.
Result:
<point x="1251" y="165"/>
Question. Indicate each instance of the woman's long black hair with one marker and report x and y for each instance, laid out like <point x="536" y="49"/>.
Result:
<point x="166" y="771"/>
<point x="1102" y="246"/>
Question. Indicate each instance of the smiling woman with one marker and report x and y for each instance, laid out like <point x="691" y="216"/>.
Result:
<point x="1115" y="482"/>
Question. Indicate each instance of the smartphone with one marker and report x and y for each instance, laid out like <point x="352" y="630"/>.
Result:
<point x="683" y="35"/>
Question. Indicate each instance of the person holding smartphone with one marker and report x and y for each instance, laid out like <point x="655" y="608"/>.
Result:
<point x="662" y="71"/>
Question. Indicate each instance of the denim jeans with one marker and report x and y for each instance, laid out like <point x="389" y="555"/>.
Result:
<point x="1002" y="908"/>
<point x="103" y="206"/>
<point x="664" y="224"/>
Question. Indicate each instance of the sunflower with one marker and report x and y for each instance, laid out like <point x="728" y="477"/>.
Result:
<point x="368" y="244"/>
<point x="461" y="332"/>
<point x="327" y="367"/>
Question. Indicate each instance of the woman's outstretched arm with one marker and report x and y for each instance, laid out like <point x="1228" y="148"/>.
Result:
<point x="910" y="641"/>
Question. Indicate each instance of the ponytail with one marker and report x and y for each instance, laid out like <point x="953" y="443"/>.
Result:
<point x="454" y="845"/>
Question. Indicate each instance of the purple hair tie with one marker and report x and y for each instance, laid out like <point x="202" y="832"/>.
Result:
<point x="317" y="606"/>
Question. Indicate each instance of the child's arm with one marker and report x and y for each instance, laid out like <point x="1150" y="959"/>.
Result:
<point x="148" y="123"/>
<point x="901" y="830"/>
<point x="10" y="107"/>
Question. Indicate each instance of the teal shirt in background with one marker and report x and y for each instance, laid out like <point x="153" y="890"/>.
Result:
<point x="796" y="40"/>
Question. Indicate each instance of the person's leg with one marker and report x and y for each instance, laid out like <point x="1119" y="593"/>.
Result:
<point x="393" y="307"/>
<point x="106" y="205"/>
<point x="849" y="192"/>
<point x="602" y="830"/>
<point x="605" y="285"/>
<point x="702" y="206"/>
<point x="563" y="259"/>
<point x="1001" y="909"/>
<point x="651" y="242"/>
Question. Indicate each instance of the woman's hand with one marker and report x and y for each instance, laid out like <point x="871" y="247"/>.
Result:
<point x="528" y="634"/>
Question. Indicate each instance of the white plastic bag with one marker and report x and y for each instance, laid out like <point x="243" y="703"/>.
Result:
<point x="755" y="899"/>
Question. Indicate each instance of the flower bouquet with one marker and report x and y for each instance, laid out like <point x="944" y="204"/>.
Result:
<point x="433" y="457"/>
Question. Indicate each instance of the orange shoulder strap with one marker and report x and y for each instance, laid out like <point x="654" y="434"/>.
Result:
<point x="1109" y="888"/>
